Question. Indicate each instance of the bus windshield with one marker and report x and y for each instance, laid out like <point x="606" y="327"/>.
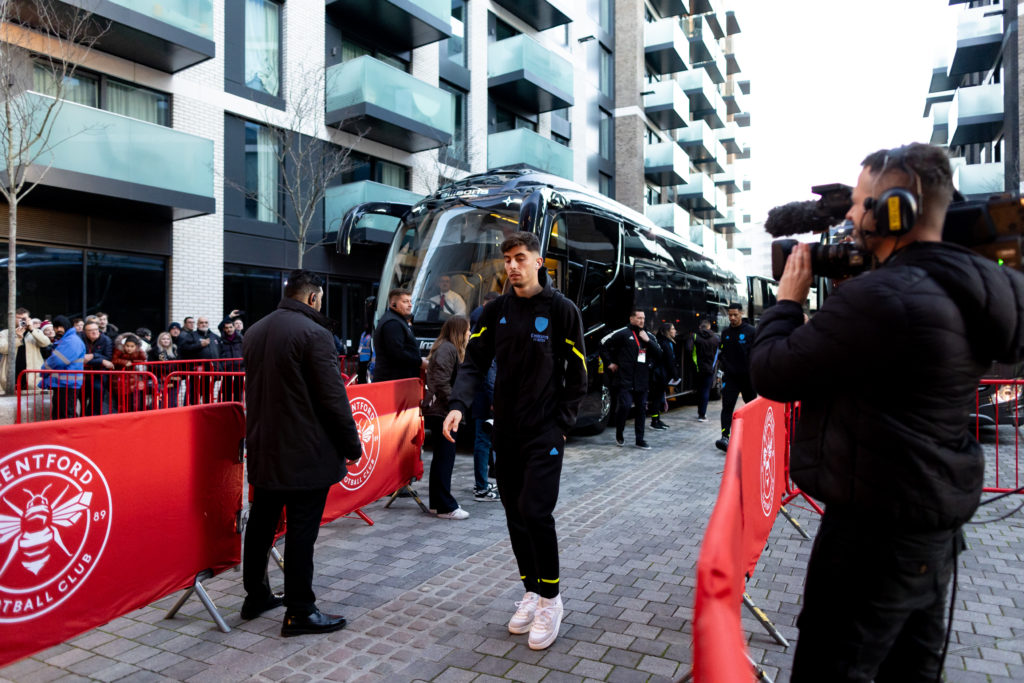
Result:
<point x="449" y="258"/>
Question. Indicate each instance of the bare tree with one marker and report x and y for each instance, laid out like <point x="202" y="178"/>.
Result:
<point x="305" y="163"/>
<point x="41" y="45"/>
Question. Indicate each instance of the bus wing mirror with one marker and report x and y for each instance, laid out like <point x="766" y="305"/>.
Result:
<point x="533" y="208"/>
<point x="352" y="217"/>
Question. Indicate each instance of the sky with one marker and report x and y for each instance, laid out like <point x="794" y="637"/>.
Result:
<point x="831" y="81"/>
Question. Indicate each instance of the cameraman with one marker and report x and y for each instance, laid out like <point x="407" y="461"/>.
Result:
<point x="885" y="373"/>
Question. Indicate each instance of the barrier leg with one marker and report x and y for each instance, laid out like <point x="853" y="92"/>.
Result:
<point x="765" y="621"/>
<point x="277" y="557"/>
<point x="761" y="674"/>
<point x="204" y="597"/>
<point x="792" y="520"/>
<point x="411" y="493"/>
<point x="362" y="515"/>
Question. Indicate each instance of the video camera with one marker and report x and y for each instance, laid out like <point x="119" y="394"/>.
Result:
<point x="991" y="227"/>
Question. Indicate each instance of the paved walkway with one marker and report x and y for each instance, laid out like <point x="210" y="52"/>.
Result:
<point x="428" y="600"/>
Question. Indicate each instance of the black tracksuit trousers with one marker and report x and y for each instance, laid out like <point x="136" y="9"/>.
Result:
<point x="529" y="470"/>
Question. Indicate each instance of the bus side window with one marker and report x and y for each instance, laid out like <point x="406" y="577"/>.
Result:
<point x="593" y="246"/>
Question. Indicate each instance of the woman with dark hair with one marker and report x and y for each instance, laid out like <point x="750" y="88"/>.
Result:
<point x="446" y="354"/>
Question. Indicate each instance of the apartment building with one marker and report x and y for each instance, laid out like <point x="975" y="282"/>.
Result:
<point x="166" y="196"/>
<point x="974" y="98"/>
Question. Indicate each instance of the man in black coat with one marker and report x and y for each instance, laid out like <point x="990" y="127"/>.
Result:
<point x="299" y="435"/>
<point x="886" y="372"/>
<point x="734" y="359"/>
<point x="398" y="354"/>
<point x="99" y="350"/>
<point x="626" y="355"/>
<point x="704" y="353"/>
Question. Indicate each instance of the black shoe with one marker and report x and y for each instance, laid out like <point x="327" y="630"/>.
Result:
<point x="317" y="622"/>
<point x="722" y="444"/>
<point x="659" y="425"/>
<point x="643" y="444"/>
<point x="251" y="610"/>
<point x="620" y="440"/>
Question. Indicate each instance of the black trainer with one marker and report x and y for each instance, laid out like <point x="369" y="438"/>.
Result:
<point x="620" y="440"/>
<point x="722" y="444"/>
<point x="643" y="444"/>
<point x="659" y="425"/>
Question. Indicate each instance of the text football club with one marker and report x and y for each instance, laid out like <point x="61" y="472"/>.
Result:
<point x="368" y="424"/>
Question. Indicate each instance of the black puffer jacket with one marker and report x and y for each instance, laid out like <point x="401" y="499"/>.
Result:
<point x="299" y="429"/>
<point x="886" y="372"/>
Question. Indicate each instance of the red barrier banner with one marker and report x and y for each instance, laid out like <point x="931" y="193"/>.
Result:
<point x="717" y="632"/>
<point x="102" y="515"/>
<point x="763" y="472"/>
<point x="387" y="415"/>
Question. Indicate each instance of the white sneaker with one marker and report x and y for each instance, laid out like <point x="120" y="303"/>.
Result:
<point x="457" y="513"/>
<point x="546" y="622"/>
<point x="523" y="618"/>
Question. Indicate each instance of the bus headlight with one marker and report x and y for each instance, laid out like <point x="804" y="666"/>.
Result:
<point x="1006" y="393"/>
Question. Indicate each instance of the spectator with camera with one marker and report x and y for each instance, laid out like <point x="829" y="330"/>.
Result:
<point x="885" y="373"/>
<point x="29" y="341"/>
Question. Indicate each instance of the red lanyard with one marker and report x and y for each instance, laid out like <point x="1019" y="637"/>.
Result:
<point x="637" y="339"/>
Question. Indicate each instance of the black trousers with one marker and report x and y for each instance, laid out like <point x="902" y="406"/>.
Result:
<point x="305" y="509"/>
<point x="63" y="402"/>
<point x="442" y="462"/>
<point x="529" y="470"/>
<point x="874" y="602"/>
<point x="732" y="387"/>
<point x="627" y="399"/>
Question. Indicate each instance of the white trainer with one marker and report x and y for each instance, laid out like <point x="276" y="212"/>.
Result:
<point x="523" y="618"/>
<point x="546" y="622"/>
<point x="457" y="513"/>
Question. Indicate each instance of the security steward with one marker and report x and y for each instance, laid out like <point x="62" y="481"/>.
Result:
<point x="536" y="336"/>
<point x="628" y="355"/>
<point x="885" y="372"/>
<point x="299" y="435"/>
<point x="398" y="354"/>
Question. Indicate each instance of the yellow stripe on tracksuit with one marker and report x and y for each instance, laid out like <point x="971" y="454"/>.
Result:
<point x="580" y="354"/>
<point x="477" y="333"/>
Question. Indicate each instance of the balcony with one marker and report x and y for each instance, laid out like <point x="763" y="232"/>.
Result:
<point x="727" y="180"/>
<point x="742" y="119"/>
<point x="705" y="52"/>
<point x="702" y="146"/>
<point x="732" y="65"/>
<point x="98" y="155"/>
<point x="169" y="35"/>
<point x="372" y="99"/>
<point x="941" y="81"/>
<point x="540" y="14"/>
<point x="732" y="26"/>
<point x="670" y="8"/>
<point x="980" y="180"/>
<point x="672" y="217"/>
<point x="397" y="25"/>
<point x="665" y="164"/>
<point x="705" y="101"/>
<point x="372" y="228"/>
<point x="700" y="197"/>
<point x="666" y="48"/>
<point x="726" y="224"/>
<point x="729" y="137"/>
<point x="705" y="6"/>
<point x="522" y="146"/>
<point x="528" y="76"/>
<point x="976" y="114"/>
<point x="667" y="105"/>
<point x="940" y="123"/>
<point x="979" y="40"/>
<point x="734" y="99"/>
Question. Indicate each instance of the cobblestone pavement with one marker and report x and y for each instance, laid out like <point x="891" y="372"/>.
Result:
<point x="428" y="600"/>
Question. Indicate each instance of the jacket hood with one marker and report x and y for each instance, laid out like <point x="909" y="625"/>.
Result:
<point x="704" y="334"/>
<point x="990" y="297"/>
<point x="315" y="315"/>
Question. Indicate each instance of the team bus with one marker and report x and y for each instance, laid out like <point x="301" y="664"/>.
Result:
<point x="599" y="253"/>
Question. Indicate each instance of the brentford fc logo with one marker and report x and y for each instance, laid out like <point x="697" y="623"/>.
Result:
<point x="768" y="463"/>
<point x="369" y="434"/>
<point x="54" y="523"/>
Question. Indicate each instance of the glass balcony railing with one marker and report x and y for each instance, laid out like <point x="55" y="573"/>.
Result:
<point x="367" y="96"/>
<point x="980" y="179"/>
<point x="672" y="217"/>
<point x="976" y="114"/>
<point x="978" y="41"/>
<point x="194" y="16"/>
<point x="665" y="164"/>
<point x="522" y="71"/>
<point x="666" y="104"/>
<point x="700" y="196"/>
<point x="666" y="49"/>
<point x="705" y="52"/>
<point x="702" y="145"/>
<point x="123" y="154"/>
<point x="398" y="25"/>
<point x="540" y="14"/>
<point x="338" y="200"/>
<point x="523" y="146"/>
<point x="940" y="123"/>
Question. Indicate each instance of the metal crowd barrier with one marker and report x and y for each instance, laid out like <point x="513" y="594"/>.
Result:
<point x="100" y="392"/>
<point x="998" y="406"/>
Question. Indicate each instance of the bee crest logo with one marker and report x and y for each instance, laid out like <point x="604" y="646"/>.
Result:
<point x="768" y="463"/>
<point x="368" y="426"/>
<point x="55" y="516"/>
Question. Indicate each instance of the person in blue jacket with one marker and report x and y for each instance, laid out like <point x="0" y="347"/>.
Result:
<point x="69" y="354"/>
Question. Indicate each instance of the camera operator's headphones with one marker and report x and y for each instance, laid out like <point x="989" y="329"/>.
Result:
<point x="895" y="210"/>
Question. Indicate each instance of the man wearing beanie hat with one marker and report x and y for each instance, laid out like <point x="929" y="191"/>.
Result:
<point x="69" y="354"/>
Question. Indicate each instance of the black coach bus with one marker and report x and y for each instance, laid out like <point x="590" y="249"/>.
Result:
<point x="601" y="254"/>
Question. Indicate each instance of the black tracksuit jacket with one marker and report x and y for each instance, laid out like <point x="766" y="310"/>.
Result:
<point x="541" y="363"/>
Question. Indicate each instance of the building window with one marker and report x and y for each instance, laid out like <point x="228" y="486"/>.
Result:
<point x="261" y="173"/>
<point x="506" y="120"/>
<point x="351" y="50"/>
<point x="456" y="48"/>
<point x="560" y="139"/>
<point x="606" y="136"/>
<point x="607" y="17"/>
<point x="263" y="46"/>
<point x="363" y="167"/>
<point x="457" y="150"/>
<point x="607" y="72"/>
<point x="605" y="185"/>
<point x="104" y="92"/>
